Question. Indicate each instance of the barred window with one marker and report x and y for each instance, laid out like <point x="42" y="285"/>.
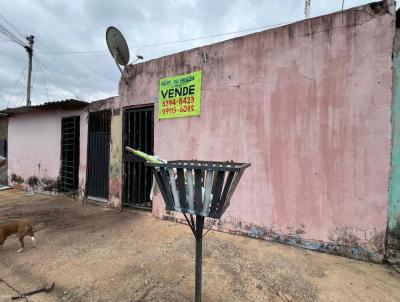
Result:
<point x="3" y="147"/>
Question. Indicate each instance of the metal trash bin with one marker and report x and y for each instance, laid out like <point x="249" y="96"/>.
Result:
<point x="201" y="188"/>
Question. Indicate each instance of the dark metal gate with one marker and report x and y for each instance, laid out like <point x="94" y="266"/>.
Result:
<point x="69" y="154"/>
<point x="138" y="134"/>
<point x="98" y="154"/>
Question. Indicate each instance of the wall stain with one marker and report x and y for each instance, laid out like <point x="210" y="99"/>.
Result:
<point x="33" y="182"/>
<point x="342" y="242"/>
<point x="51" y="185"/>
<point x="45" y="184"/>
<point x="16" y="179"/>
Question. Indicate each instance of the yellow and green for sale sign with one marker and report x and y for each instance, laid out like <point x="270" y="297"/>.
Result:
<point x="180" y="96"/>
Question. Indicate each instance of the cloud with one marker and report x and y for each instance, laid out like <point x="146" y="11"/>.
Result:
<point x="69" y="26"/>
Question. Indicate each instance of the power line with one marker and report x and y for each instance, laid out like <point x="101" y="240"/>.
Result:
<point x="42" y="45"/>
<point x="16" y="29"/>
<point x="28" y="47"/>
<point x="33" y="80"/>
<point x="51" y="58"/>
<point x="49" y="72"/>
<point x="21" y="95"/>
<point x="43" y="80"/>
<point x="211" y="36"/>
<point x="69" y="52"/>
<point x="57" y="81"/>
<point x="9" y="34"/>
<point x="166" y="43"/>
<point x="61" y="83"/>
<point x="60" y="73"/>
<point x="16" y="83"/>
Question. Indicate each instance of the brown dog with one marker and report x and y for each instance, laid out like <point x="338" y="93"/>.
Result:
<point x="20" y="227"/>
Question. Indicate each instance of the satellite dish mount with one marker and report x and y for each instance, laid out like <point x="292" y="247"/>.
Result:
<point x="117" y="53"/>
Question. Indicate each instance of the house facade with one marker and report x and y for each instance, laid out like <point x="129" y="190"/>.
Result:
<point x="61" y="147"/>
<point x="47" y="146"/>
<point x="308" y="104"/>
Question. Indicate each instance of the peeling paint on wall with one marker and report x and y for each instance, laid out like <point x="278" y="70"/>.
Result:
<point x="116" y="162"/>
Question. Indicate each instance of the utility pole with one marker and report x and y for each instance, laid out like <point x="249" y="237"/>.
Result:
<point x="307" y="8"/>
<point x="29" y="50"/>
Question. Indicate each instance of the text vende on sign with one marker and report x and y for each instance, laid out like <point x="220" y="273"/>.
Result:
<point x="180" y="96"/>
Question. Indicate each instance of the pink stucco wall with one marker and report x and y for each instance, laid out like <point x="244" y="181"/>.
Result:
<point x="308" y="105"/>
<point x="34" y="145"/>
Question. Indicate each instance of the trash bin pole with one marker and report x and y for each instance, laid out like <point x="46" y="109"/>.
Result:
<point x="199" y="252"/>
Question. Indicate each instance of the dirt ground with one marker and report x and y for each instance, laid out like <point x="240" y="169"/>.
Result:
<point x="97" y="254"/>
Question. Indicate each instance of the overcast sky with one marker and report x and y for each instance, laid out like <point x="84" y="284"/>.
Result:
<point x="71" y="58"/>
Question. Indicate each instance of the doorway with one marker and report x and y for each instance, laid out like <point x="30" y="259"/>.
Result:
<point x="139" y="135"/>
<point x="98" y="158"/>
<point x="70" y="154"/>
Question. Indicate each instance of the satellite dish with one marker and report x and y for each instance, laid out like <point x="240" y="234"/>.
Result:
<point x="117" y="45"/>
<point x="119" y="49"/>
